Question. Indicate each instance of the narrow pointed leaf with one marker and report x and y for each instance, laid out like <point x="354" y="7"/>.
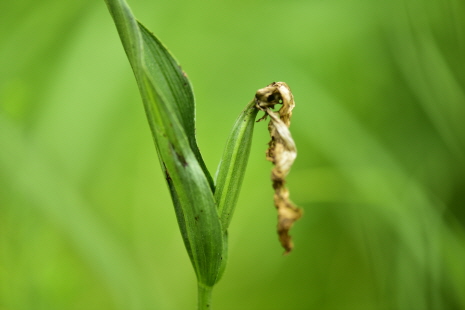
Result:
<point x="169" y="105"/>
<point x="232" y="167"/>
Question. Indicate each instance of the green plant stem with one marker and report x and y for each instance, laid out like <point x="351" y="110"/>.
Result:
<point x="204" y="296"/>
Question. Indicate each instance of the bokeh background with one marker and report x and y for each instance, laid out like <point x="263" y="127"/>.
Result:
<point x="86" y="220"/>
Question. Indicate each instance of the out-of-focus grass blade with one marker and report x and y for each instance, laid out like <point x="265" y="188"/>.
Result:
<point x="232" y="167"/>
<point x="31" y="174"/>
<point x="169" y="105"/>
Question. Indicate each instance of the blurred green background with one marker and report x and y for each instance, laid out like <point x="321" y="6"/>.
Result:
<point x="86" y="221"/>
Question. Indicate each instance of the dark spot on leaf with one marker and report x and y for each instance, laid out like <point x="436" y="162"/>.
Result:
<point x="179" y="157"/>
<point x="270" y="98"/>
<point x="167" y="175"/>
<point x="196" y="218"/>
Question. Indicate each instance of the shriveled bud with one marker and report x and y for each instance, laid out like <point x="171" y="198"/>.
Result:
<point x="281" y="152"/>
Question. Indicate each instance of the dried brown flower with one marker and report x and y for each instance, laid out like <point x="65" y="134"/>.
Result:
<point x="281" y="152"/>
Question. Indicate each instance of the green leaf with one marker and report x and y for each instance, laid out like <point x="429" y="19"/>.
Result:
<point x="231" y="169"/>
<point x="169" y="105"/>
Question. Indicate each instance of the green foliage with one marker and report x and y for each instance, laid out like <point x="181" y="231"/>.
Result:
<point x="86" y="221"/>
<point x="233" y="163"/>
<point x="169" y="105"/>
<point x="203" y="212"/>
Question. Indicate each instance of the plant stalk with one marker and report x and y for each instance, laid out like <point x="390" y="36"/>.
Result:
<point x="204" y="296"/>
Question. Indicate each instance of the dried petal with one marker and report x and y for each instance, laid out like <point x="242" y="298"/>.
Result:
<point x="281" y="152"/>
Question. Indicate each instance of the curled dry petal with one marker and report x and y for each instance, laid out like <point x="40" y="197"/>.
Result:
<point x="281" y="152"/>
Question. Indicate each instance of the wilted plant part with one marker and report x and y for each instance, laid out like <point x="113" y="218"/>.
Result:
<point x="281" y="152"/>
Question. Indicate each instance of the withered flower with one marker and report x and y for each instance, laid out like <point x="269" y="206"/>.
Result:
<point x="281" y="152"/>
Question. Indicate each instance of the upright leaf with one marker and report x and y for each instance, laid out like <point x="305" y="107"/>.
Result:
<point x="169" y="105"/>
<point x="232" y="167"/>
